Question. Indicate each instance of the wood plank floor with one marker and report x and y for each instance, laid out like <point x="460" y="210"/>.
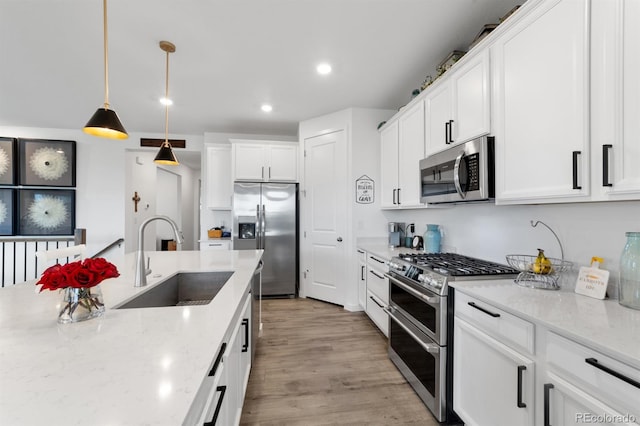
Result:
<point x="317" y="364"/>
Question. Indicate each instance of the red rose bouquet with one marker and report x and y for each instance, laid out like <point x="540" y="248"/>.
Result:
<point x="81" y="274"/>
<point x="81" y="299"/>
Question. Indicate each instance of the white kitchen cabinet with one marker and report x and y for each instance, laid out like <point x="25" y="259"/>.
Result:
<point x="218" y="184"/>
<point x="239" y="365"/>
<point x="540" y="67"/>
<point x="377" y="292"/>
<point x="402" y="148"/>
<point x="215" y="245"/>
<point x="361" y="274"/>
<point x="458" y="108"/>
<point x="264" y="161"/>
<point x="492" y="383"/>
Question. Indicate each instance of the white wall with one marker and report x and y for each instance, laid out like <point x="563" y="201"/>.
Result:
<point x="101" y="196"/>
<point x="490" y="232"/>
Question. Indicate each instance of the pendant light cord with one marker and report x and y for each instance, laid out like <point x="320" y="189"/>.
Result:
<point x="166" y="107"/>
<point x="106" y="56"/>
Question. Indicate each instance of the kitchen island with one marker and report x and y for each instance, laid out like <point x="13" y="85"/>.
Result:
<point x="130" y="366"/>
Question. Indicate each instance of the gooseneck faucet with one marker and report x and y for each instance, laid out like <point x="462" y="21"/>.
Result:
<point x="142" y="270"/>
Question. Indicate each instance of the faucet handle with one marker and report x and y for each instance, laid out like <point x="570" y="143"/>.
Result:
<point x="147" y="270"/>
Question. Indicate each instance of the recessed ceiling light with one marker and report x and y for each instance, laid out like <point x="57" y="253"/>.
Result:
<point x="323" y="69"/>
<point x="166" y="101"/>
<point x="266" y="108"/>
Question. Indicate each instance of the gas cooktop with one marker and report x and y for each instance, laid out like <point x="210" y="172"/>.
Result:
<point x="454" y="264"/>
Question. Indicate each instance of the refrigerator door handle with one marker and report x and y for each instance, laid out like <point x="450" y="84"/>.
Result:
<point x="263" y="228"/>
<point x="258" y="230"/>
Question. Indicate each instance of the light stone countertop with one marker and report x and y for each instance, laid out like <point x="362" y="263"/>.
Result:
<point x="130" y="366"/>
<point x="380" y="248"/>
<point x="603" y="325"/>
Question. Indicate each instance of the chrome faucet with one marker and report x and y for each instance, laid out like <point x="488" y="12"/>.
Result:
<point x="143" y="270"/>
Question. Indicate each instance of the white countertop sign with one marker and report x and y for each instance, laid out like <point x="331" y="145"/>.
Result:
<point x="603" y="325"/>
<point x="130" y="366"/>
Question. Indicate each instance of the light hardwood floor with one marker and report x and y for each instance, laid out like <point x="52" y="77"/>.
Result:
<point x="317" y="364"/>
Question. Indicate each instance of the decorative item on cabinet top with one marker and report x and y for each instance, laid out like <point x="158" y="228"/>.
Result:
<point x="449" y="61"/>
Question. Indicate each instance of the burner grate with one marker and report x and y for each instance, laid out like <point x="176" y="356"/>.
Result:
<point x="458" y="265"/>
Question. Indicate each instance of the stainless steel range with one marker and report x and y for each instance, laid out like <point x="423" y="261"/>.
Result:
<point x="421" y="320"/>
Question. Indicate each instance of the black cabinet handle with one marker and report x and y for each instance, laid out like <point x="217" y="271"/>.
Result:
<point x="394" y="196"/>
<point x="446" y="132"/>
<point x="398" y="195"/>
<point x="521" y="368"/>
<point x="473" y="305"/>
<point x="245" y="345"/>
<point x="594" y="362"/>
<point x="450" y="132"/>
<point x="547" y="389"/>
<point x="376" y="302"/>
<point x="362" y="273"/>
<point x="605" y="165"/>
<point x="377" y="260"/>
<point x="360" y="251"/>
<point x="216" y="364"/>
<point x="222" y="390"/>
<point x="575" y="169"/>
<point x="374" y="273"/>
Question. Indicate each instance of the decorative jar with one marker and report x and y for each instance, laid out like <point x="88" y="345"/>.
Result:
<point x="629" y="283"/>
<point x="432" y="238"/>
<point x="80" y="304"/>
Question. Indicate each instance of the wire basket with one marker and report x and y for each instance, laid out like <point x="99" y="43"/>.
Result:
<point x="528" y="278"/>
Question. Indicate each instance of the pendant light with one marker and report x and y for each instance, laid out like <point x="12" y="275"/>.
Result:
<point x="165" y="155"/>
<point x="105" y="122"/>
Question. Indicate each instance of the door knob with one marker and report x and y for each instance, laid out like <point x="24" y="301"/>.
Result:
<point x="339" y="239"/>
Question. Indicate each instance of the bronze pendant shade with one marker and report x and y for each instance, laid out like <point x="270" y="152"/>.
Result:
<point x="166" y="156"/>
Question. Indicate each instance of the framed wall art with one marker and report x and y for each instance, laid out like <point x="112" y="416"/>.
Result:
<point x="7" y="201"/>
<point x="46" y="211"/>
<point x="7" y="161"/>
<point x="47" y="162"/>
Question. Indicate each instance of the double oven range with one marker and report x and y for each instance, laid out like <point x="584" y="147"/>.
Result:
<point x="421" y="320"/>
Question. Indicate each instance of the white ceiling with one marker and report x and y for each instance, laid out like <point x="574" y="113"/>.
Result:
<point x="232" y="55"/>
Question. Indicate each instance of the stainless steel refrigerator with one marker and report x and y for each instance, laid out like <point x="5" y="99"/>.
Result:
<point x="265" y="216"/>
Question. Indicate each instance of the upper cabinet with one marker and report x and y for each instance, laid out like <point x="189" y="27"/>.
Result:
<point x="219" y="186"/>
<point x="458" y="108"/>
<point x="264" y="161"/>
<point x="566" y="103"/>
<point x="402" y="148"/>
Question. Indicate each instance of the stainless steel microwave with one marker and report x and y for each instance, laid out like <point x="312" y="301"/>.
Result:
<point x="461" y="173"/>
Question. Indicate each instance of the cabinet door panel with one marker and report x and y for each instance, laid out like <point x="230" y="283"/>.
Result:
<point x="248" y="162"/>
<point x="389" y="164"/>
<point x="471" y="102"/>
<point x="485" y="380"/>
<point x="283" y="164"/>
<point x="542" y="90"/>
<point x="219" y="185"/>
<point x="437" y="113"/>
<point x="411" y="147"/>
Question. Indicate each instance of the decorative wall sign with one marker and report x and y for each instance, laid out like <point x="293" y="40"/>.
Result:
<point x="47" y="162"/>
<point x="7" y="161"/>
<point x="46" y="211"/>
<point x="365" y="190"/>
<point x="7" y="197"/>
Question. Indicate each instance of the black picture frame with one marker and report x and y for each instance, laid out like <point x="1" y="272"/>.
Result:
<point x="7" y="211"/>
<point x="47" y="162"/>
<point x="46" y="211"/>
<point x="7" y="161"/>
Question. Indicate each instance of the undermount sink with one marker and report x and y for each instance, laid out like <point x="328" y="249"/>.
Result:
<point x="182" y="289"/>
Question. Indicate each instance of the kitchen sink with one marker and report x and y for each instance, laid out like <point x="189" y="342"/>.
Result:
<point x="182" y="289"/>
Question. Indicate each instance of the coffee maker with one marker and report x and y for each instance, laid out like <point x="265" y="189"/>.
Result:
<point x="396" y="234"/>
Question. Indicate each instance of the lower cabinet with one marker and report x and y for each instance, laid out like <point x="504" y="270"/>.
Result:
<point x="361" y="274"/>
<point x="493" y="384"/>
<point x="221" y="395"/>
<point x="215" y="245"/>
<point x="377" y="292"/>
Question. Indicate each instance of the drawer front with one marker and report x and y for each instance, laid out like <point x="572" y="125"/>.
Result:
<point x="215" y="245"/>
<point x="377" y="263"/>
<point x="507" y="328"/>
<point x="600" y="375"/>
<point x="378" y="285"/>
<point x="375" y="310"/>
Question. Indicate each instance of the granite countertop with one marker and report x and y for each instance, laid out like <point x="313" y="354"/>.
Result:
<point x="130" y="366"/>
<point x="604" y="325"/>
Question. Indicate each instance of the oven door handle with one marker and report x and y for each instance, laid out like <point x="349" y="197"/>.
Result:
<point x="430" y="300"/>
<point x="431" y="348"/>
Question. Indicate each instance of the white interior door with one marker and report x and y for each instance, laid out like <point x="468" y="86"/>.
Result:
<point x="325" y="204"/>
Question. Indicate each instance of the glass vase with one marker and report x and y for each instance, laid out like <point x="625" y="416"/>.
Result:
<point x="432" y="239"/>
<point x="80" y="304"/>
<point x="629" y="284"/>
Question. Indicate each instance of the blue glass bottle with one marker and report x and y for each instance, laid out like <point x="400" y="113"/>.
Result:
<point x="432" y="239"/>
<point x="629" y="288"/>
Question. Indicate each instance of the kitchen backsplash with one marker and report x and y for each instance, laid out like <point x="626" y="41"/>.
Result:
<point x="490" y="232"/>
